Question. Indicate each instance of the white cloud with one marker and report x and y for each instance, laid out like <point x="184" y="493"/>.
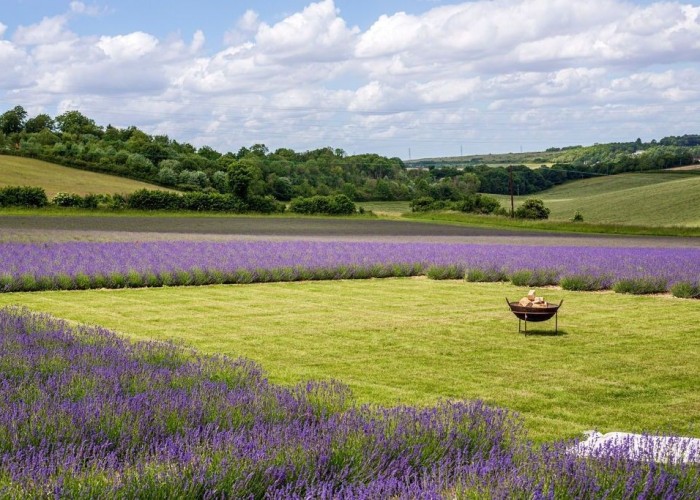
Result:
<point x="198" y="40"/>
<point x="87" y="10"/>
<point x="245" y="27"/>
<point x="249" y="22"/>
<point x="48" y="30"/>
<point x="315" y="34"/>
<point x="128" y="47"/>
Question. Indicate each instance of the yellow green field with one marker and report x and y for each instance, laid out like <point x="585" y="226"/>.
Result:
<point x="16" y="171"/>
<point x="656" y="199"/>
<point x="636" y="199"/>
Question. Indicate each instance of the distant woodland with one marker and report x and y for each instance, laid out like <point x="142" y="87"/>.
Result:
<point x="75" y="140"/>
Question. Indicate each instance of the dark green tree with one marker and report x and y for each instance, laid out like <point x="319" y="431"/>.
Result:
<point x="74" y="122"/>
<point x="532" y="209"/>
<point x="12" y="121"/>
<point x="39" y="123"/>
<point x="240" y="176"/>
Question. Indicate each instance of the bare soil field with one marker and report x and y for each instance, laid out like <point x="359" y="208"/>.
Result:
<point x="80" y="228"/>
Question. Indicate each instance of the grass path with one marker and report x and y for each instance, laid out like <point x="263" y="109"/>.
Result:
<point x="625" y="363"/>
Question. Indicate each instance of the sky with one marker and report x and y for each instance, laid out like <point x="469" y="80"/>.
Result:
<point x="412" y="79"/>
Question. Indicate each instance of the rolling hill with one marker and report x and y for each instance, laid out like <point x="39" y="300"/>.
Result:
<point x="649" y="199"/>
<point x="17" y="171"/>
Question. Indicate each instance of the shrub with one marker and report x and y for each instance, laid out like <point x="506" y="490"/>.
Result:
<point x="329" y="205"/>
<point x="479" y="204"/>
<point x="577" y="217"/>
<point x="486" y="275"/>
<point x="66" y="200"/>
<point x="584" y="282"/>
<point x="23" y="196"/>
<point x="686" y="290"/>
<point x="166" y="278"/>
<point x="116" y="280"/>
<point x="82" y="281"/>
<point x="151" y="280"/>
<point x="422" y="204"/>
<point x="265" y="205"/>
<point x="145" y="199"/>
<point x="182" y="278"/>
<point x="532" y="209"/>
<point x="641" y="286"/>
<point x="116" y="202"/>
<point x="64" y="282"/>
<point x="538" y="277"/>
<point x="134" y="279"/>
<point x="44" y="283"/>
<point x="27" y="282"/>
<point x="99" y="281"/>
<point x="6" y="282"/>
<point x="199" y="277"/>
<point x="342" y="205"/>
<point x="90" y="201"/>
<point x="166" y="175"/>
<point x="450" y="272"/>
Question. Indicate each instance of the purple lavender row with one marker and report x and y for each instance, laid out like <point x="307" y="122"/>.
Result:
<point x="89" y="258"/>
<point x="86" y="414"/>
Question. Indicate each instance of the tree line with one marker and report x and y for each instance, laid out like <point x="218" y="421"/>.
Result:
<point x="254" y="172"/>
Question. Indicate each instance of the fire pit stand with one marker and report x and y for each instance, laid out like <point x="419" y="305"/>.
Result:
<point x="535" y="314"/>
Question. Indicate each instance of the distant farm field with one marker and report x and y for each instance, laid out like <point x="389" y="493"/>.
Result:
<point x="619" y="363"/>
<point x="16" y="171"/>
<point x="655" y="199"/>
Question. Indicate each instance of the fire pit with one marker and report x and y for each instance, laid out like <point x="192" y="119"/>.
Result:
<point x="535" y="313"/>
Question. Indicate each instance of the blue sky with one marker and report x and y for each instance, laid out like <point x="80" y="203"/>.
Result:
<point x="420" y="77"/>
<point x="215" y="17"/>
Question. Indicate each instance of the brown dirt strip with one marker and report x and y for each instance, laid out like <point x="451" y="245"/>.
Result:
<point x="77" y="228"/>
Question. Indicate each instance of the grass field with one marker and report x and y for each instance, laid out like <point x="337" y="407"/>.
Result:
<point x="620" y="362"/>
<point x="16" y="171"/>
<point x="650" y="200"/>
<point x="655" y="199"/>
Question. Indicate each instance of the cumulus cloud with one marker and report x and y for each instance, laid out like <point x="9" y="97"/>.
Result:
<point x="315" y="34"/>
<point x="87" y="10"/>
<point x="49" y="30"/>
<point x="246" y="26"/>
<point x="128" y="47"/>
<point x="488" y="73"/>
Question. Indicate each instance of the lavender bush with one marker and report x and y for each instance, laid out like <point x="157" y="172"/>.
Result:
<point x="89" y="415"/>
<point x="114" y="265"/>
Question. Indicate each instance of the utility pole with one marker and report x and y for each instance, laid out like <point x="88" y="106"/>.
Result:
<point x="510" y="189"/>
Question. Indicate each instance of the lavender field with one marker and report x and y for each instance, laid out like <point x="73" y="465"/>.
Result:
<point x="81" y="265"/>
<point x="87" y="414"/>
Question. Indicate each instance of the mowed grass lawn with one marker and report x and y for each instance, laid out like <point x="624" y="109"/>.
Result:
<point x="620" y="362"/>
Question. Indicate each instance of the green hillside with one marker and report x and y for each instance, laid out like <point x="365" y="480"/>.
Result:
<point x="16" y="171"/>
<point x="650" y="199"/>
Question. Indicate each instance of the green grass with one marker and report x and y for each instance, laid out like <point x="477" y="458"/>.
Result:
<point x="644" y="199"/>
<point x="387" y="208"/>
<point x="621" y="362"/>
<point x="563" y="226"/>
<point x="16" y="171"/>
